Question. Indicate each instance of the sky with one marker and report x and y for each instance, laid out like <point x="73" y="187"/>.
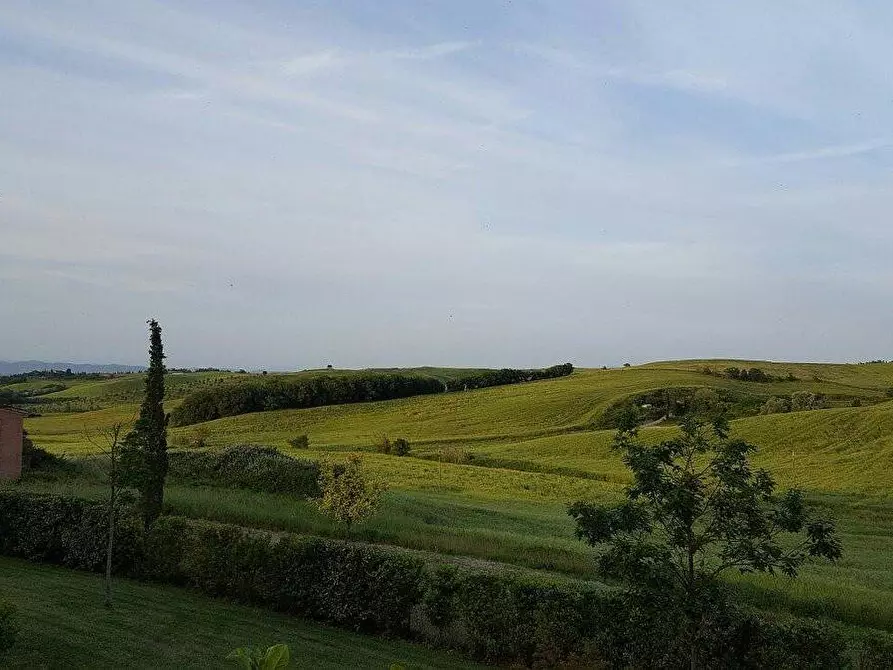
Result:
<point x="287" y="185"/>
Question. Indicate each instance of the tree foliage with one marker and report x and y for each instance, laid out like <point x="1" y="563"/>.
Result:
<point x="265" y="393"/>
<point x="697" y="508"/>
<point x="144" y="458"/>
<point x="348" y="496"/>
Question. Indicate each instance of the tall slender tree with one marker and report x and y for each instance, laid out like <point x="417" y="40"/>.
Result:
<point x="144" y="450"/>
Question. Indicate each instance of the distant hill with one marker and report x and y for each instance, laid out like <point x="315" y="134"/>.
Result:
<point x="19" y="367"/>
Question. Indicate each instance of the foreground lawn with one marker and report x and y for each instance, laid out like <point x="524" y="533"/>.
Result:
<point x="64" y="625"/>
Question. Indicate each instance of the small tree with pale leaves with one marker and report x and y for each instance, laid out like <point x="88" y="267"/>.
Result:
<point x="348" y="495"/>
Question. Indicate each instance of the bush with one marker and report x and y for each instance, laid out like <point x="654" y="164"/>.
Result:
<point x="348" y="496"/>
<point x="36" y="459"/>
<point x="8" y="627"/>
<point x="262" y="469"/>
<point x="397" y="447"/>
<point x="457" y="455"/>
<point x="66" y="531"/>
<point x="495" y="617"/>
<point x="803" y="400"/>
<point x="776" y="405"/>
<point x="300" y="442"/>
<point x="383" y="445"/>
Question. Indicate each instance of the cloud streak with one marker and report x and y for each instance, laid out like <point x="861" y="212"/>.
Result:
<point x="291" y="187"/>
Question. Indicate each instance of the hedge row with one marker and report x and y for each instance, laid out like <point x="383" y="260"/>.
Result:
<point x="493" y="617"/>
<point x="256" y="395"/>
<point x="256" y="468"/>
<point x="485" y="378"/>
<point x="242" y="396"/>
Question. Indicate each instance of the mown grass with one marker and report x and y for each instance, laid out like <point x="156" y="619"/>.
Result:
<point x="65" y="625"/>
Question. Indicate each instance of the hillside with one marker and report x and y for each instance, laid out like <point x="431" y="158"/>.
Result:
<point x="19" y="367"/>
<point x="491" y="470"/>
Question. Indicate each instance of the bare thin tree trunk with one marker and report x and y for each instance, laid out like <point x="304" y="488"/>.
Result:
<point x="113" y="494"/>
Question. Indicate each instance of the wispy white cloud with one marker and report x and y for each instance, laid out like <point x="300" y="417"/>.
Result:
<point x="823" y="153"/>
<point x="564" y="182"/>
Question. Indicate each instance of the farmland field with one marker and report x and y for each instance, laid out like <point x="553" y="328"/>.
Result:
<point x="492" y="470"/>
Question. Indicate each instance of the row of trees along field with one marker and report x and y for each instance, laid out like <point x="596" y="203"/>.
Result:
<point x="242" y="396"/>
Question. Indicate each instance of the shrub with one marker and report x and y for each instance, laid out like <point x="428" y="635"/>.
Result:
<point x="256" y="468"/>
<point x="804" y="400"/>
<point x="397" y="447"/>
<point x="856" y="402"/>
<point x="300" y="442"/>
<point x="36" y="459"/>
<point x="458" y="455"/>
<point x="495" y="617"/>
<point x="8" y="627"/>
<point x="66" y="531"/>
<point x="383" y="445"/>
<point x="348" y="496"/>
<point x="776" y="405"/>
<point x="875" y="651"/>
<point x="889" y="392"/>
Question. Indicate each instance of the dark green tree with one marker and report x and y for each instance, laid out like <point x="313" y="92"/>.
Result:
<point x="696" y="509"/>
<point x="144" y="461"/>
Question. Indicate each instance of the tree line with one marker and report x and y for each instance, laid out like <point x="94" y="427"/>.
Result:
<point x="243" y="396"/>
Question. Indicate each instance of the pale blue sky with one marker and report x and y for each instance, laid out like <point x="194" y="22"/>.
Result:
<point x="290" y="184"/>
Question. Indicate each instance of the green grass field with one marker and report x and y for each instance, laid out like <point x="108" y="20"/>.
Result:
<point x="534" y="450"/>
<point x="65" y="625"/>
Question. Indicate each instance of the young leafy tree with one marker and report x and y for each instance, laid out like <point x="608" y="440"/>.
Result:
<point x="348" y="496"/>
<point x="696" y="508"/>
<point x="144" y="450"/>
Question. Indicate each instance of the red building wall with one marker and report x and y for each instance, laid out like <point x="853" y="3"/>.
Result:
<point x="10" y="443"/>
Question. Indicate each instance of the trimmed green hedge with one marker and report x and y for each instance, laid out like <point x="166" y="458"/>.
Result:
<point x="256" y="468"/>
<point x="494" y="617"/>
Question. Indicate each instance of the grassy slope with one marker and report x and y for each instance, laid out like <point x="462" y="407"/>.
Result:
<point x="64" y="625"/>
<point x="539" y="459"/>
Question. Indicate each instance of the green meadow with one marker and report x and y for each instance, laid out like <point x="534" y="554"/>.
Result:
<point x="492" y="470"/>
<point x="65" y="625"/>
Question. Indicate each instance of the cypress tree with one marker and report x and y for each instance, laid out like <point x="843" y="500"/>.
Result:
<point x="144" y="450"/>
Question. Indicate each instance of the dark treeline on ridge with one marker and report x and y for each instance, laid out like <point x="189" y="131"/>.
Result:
<point x="255" y="394"/>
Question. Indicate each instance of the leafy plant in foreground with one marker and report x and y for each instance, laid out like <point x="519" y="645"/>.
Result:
<point x="276" y="657"/>
<point x="696" y="509"/>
